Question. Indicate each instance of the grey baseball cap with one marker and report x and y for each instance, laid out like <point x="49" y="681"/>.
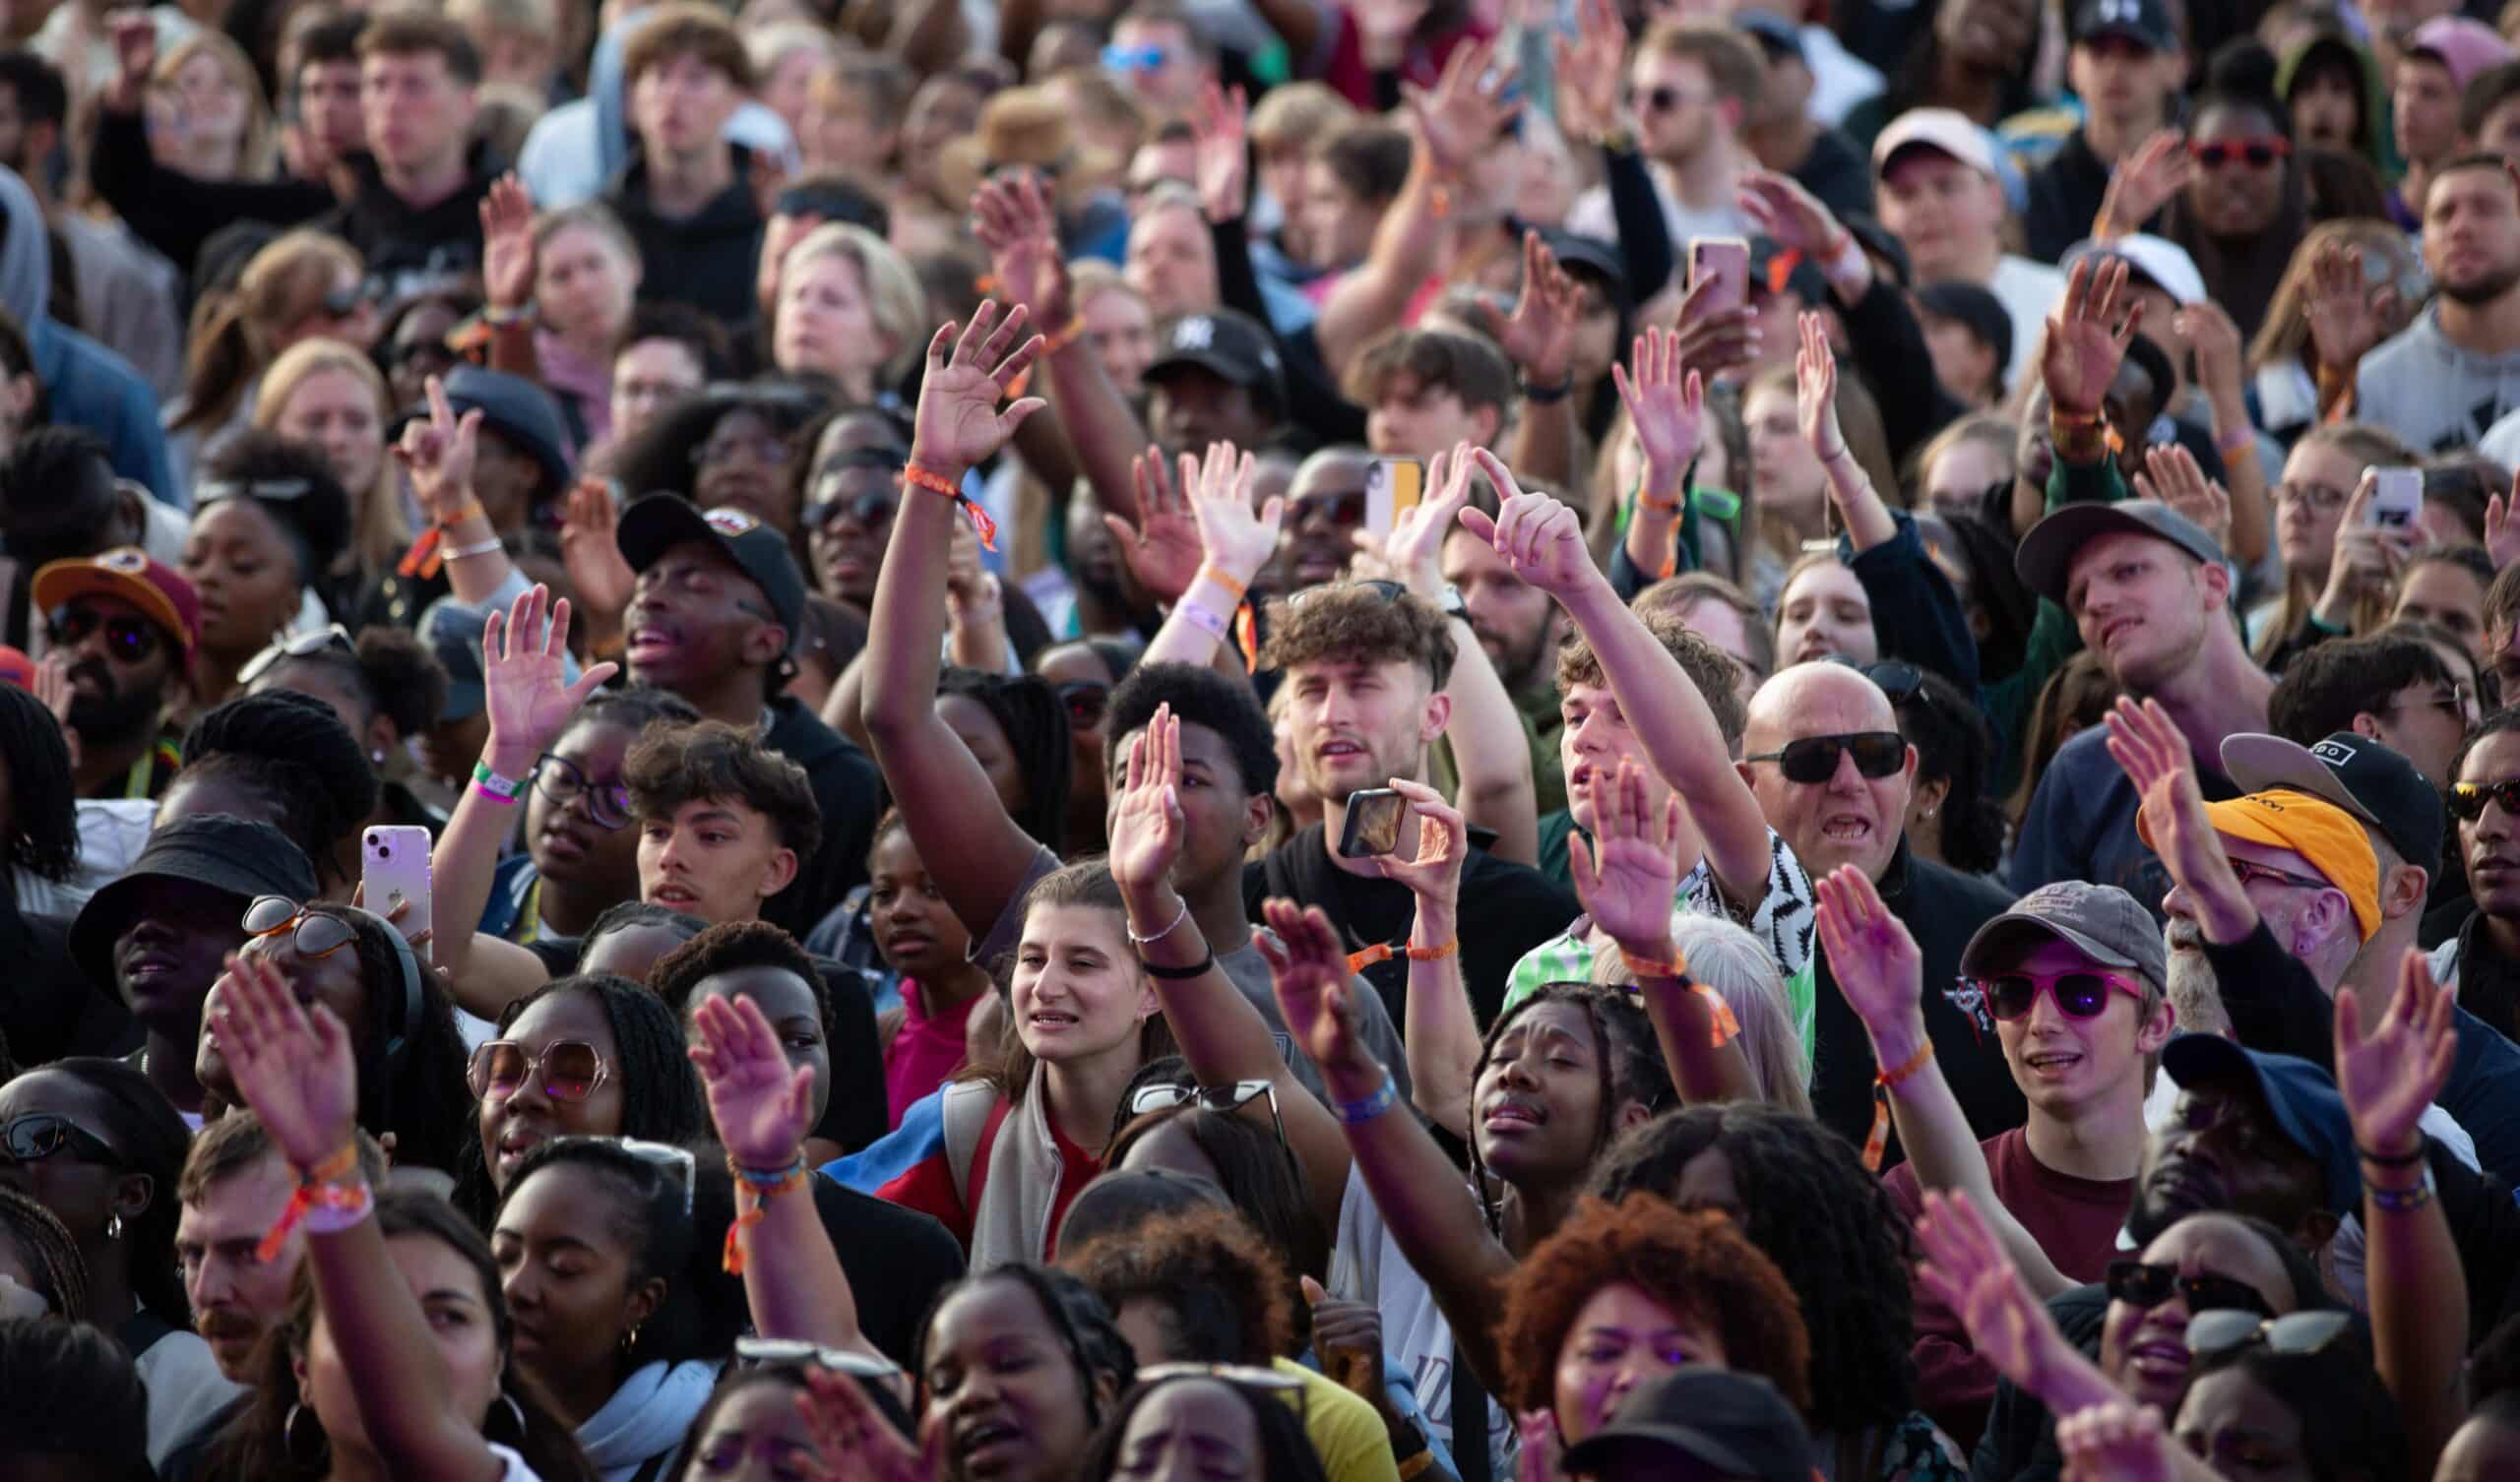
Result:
<point x="2101" y="922"/>
<point x="2046" y="556"/>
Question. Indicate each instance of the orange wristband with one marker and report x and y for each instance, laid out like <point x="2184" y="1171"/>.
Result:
<point x="1877" y="1141"/>
<point x="1234" y="589"/>
<point x="937" y="483"/>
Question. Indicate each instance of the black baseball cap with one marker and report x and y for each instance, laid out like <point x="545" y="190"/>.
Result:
<point x="2146" y="22"/>
<point x="659" y="522"/>
<point x="1976" y="309"/>
<point x="243" y="857"/>
<point x="512" y="406"/>
<point x="2302" y="1098"/>
<point x="2047" y="554"/>
<point x="1226" y="345"/>
<point x="1725" y="1422"/>
<point x="1775" y="268"/>
<point x="2370" y="781"/>
<point x="1777" y="36"/>
<point x="1590" y="257"/>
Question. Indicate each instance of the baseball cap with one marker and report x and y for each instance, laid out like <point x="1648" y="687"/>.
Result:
<point x="2146" y="22"/>
<point x="1726" y="1422"/>
<point x="126" y="571"/>
<point x="1945" y="129"/>
<point x="1775" y="35"/>
<point x="1589" y="256"/>
<point x="2302" y="1096"/>
<point x="243" y="857"/>
<point x="1226" y="345"/>
<point x="1774" y="269"/>
<point x="2162" y="263"/>
<point x="1976" y="309"/>
<point x="659" y="522"/>
<point x="2463" y="47"/>
<point x="2101" y="922"/>
<point x="2046" y="556"/>
<point x="512" y="406"/>
<point x="453" y="628"/>
<point x="2319" y="831"/>
<point x="2367" y="779"/>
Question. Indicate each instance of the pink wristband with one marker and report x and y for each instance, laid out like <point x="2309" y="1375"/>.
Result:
<point x="1205" y="619"/>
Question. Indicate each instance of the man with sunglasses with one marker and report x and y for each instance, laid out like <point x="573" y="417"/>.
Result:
<point x="124" y="627"/>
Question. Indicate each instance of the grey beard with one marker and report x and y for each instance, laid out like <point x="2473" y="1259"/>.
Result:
<point x="2195" y="997"/>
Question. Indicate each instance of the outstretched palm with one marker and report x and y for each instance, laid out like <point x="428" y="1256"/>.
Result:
<point x="291" y="1063"/>
<point x="959" y="423"/>
<point x="2390" y="1075"/>
<point x="763" y="1109"/>
<point x="1666" y="401"/>
<point x="1237" y="539"/>
<point x="1164" y="544"/>
<point x="2088" y="335"/>
<point x="1627" y="877"/>
<point x="1870" y="952"/>
<point x="524" y="684"/>
<point x="853" y="1439"/>
<point x="1308" y="973"/>
<point x="507" y="244"/>
<point x="1012" y="219"/>
<point x="1146" y="821"/>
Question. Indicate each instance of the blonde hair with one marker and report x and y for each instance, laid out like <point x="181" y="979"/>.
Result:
<point x="259" y="150"/>
<point x="232" y="334"/>
<point x="1730" y="960"/>
<point x="1991" y="429"/>
<point x="894" y="297"/>
<point x="377" y="532"/>
<point x="1297" y="116"/>
<point x="773" y="44"/>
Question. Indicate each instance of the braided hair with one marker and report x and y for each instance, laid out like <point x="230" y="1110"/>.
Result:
<point x="1624" y="1050"/>
<point x="1808" y="1205"/>
<point x="419" y="1094"/>
<point x="662" y="1101"/>
<point x="43" y="813"/>
<point x="145" y="1127"/>
<point x="646" y="1215"/>
<point x="392" y="672"/>
<point x="294" y="751"/>
<point x="48" y="1252"/>
<point x="1035" y="722"/>
<point x="1096" y="1346"/>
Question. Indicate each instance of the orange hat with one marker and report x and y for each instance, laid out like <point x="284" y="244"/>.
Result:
<point x="2319" y="831"/>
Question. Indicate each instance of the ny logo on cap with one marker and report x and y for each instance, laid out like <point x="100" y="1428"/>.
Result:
<point x="731" y="521"/>
<point x="1196" y="332"/>
<point x="2112" y="12"/>
<point x="2333" y="752"/>
<point x="130" y="560"/>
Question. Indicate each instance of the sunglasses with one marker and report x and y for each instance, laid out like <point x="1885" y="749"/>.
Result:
<point x="1344" y="509"/>
<point x="1166" y="1094"/>
<point x="316" y="935"/>
<point x="2300" y="1332"/>
<point x="1248" y="1377"/>
<point x="2139" y="1285"/>
<point x="1086" y="701"/>
<point x="37" y="1136"/>
<point x="2468" y="799"/>
<point x="2079" y="993"/>
<point x="2259" y="153"/>
<point x="568" y="1070"/>
<point x="561" y="781"/>
<point x="872" y="510"/>
<point x="1660" y="100"/>
<point x="281" y="489"/>
<point x="752" y="1352"/>
<point x="678" y="1164"/>
<point x="298" y="646"/>
<point x="1388" y="592"/>
<point x="1814" y="759"/>
<point x="1134" y="58"/>
<point x="128" y="638"/>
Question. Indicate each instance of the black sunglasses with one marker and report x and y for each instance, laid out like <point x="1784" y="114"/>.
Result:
<point x="2259" y="153"/>
<point x="870" y="510"/>
<point x="129" y="639"/>
<point x="1814" y="759"/>
<point x="2468" y="799"/>
<point x="37" y="1136"/>
<point x="1345" y="508"/>
<point x="1086" y="701"/>
<point x="2300" y="1332"/>
<point x="2139" y="1284"/>
<point x="298" y="646"/>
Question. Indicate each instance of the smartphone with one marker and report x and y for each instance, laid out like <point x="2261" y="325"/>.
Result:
<point x="1393" y="487"/>
<point x="1374" y="817"/>
<point x="394" y="866"/>
<point x="1726" y="259"/>
<point x="2397" y="497"/>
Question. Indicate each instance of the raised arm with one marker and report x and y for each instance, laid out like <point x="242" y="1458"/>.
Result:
<point x="1867" y="518"/>
<point x="2153" y="752"/>
<point x="2221" y="373"/>
<point x="507" y="275"/>
<point x="1666" y="404"/>
<point x="1439" y="1032"/>
<point x="1539" y="337"/>
<point x="293" y="1065"/>
<point x="1540" y="538"/>
<point x="1965" y="1266"/>
<point x="978" y="855"/>
<point x="1234" y="544"/>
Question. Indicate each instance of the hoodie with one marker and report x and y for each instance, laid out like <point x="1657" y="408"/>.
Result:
<point x="572" y="152"/>
<point x="645" y="1419"/>
<point x="2376" y="145"/>
<point x="84" y="384"/>
<point x="2434" y="396"/>
<point x="707" y="260"/>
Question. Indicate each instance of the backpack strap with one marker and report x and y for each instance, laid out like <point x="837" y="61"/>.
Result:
<point x="971" y="1113"/>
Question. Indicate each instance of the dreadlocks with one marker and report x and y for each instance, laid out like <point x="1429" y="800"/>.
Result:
<point x="45" y="802"/>
<point x="1035" y="722"/>
<point x="1096" y="1346"/>
<point x="295" y="752"/>
<point x="48" y="1253"/>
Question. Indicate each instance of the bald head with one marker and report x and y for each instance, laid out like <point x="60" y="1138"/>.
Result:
<point x="1834" y="813"/>
<point x="1815" y="700"/>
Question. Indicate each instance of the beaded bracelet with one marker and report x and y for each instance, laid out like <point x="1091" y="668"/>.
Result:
<point x="759" y="1186"/>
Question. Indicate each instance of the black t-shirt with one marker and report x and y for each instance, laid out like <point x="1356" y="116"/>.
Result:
<point x="47" y="1010"/>
<point x="897" y="1259"/>
<point x="857" y="1113"/>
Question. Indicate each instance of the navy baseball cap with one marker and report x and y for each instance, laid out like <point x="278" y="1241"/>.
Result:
<point x="2302" y="1098"/>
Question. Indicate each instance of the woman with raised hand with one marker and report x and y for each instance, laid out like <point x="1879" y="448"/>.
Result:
<point x="406" y="1353"/>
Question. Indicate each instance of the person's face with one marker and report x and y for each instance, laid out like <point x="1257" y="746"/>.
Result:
<point x="1596" y="737"/>
<point x="1157" y="161"/>
<point x="981" y="736"/>
<point x="2063" y="1064"/>
<point x="1360" y="725"/>
<point x="694" y="617"/>
<point x="2221" y="1150"/>
<point x="1220" y="818"/>
<point x="569" y="846"/>
<point x="1961" y="361"/>
<point x="1002" y="1385"/>
<point x="2142" y="605"/>
<point x="679" y="103"/>
<point x="566" y="1274"/>
<point x="2479" y="1451"/>
<point x="582" y="283"/>
<point x="81" y="1192"/>
<point x="1536" y="1101"/>
<point x="1850" y="819"/>
<point x="419" y="352"/>
<point x="1787" y="473"/>
<point x="826" y="319"/>
<point x="785" y="86"/>
<point x="2424" y="724"/>
<point x="113" y="693"/>
<point x="337" y="411"/>
<point x="2123" y="81"/>
<point x="2310" y="505"/>
<point x="1171" y="263"/>
<point x="1412" y="419"/>
<point x="448" y="1288"/>
<point x="840" y="133"/>
<point x="2241" y="1430"/>
<point x="849" y="508"/>
<point x="1623" y="1338"/>
<point x="514" y="1122"/>
<point x="2300" y="916"/>
<point x="2327" y="110"/>
<point x="648" y="376"/>
<point x="212" y="104"/>
<point x="2500" y="134"/>
<point x="1189" y="406"/>
<point x="2472" y="235"/>
<point x="787" y="1002"/>
<point x="1076" y="990"/>
<point x="944" y="109"/>
<point x="417" y="114"/>
<point x="1076" y="663"/>
<point x="1121" y="331"/>
<point x="1676" y="111"/>
<point x="1941" y="210"/>
<point x="234" y="1294"/>
<point x="333" y="980"/>
<point x="247" y="574"/>
<point x="1196" y="1430"/>
<point x="2240" y="196"/>
<point x="2424" y="107"/>
<point x="714" y="858"/>
<point x="2145" y="1349"/>
<point x="1515" y="621"/>
<point x="1170" y="87"/>
<point x="1959" y="479"/>
<point x="328" y="109"/>
<point x="632" y="949"/>
<point x="1823" y="612"/>
<point x="2490" y="843"/>
<point x="914" y="927"/>
<point x="1326" y="507"/>
<point x="1338" y="223"/>
<point x="174" y="950"/>
<point x="757" y="1434"/>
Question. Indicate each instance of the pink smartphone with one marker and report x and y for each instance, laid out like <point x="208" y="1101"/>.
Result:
<point x="1727" y="260"/>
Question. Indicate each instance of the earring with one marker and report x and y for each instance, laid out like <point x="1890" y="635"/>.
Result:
<point x="377" y="756"/>
<point x="113" y="1227"/>
<point x="515" y="1411"/>
<point x="1931" y="810"/>
<point x="288" y="1439"/>
<point x="630" y="1340"/>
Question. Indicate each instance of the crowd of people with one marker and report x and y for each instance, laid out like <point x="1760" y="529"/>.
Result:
<point x="1363" y="740"/>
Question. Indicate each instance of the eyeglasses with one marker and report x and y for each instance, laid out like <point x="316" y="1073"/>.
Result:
<point x="1814" y="759"/>
<point x="2249" y="870"/>
<point x="1135" y="58"/>
<point x="128" y="638"/>
<point x="561" y="780"/>
<point x="753" y="1351"/>
<point x="1660" y="100"/>
<point x="2139" y="1285"/>
<point x="870" y="508"/>
<point x="1086" y="701"/>
<point x="1268" y="1381"/>
<point x="677" y="1164"/>
<point x="2453" y="701"/>
<point x="760" y="447"/>
<point x="1388" y="592"/>
<point x="1166" y="1094"/>
<point x="2259" y="153"/>
<point x="2321" y="498"/>
<point x="569" y="1069"/>
<point x="2298" y="1333"/>
<point x="298" y="646"/>
<point x="37" y="1136"/>
<point x="281" y="489"/>
<point x="2079" y="992"/>
<point x="1344" y="509"/>
<point x="316" y="935"/>
<point x="2468" y="799"/>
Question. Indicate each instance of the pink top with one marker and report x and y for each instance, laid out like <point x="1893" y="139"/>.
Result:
<point x="924" y="1051"/>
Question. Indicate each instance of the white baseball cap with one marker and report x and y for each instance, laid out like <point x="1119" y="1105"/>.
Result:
<point x="1945" y="129"/>
<point x="2165" y="265"/>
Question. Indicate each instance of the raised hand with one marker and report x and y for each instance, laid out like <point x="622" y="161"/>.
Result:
<point x="1219" y="130"/>
<point x="2088" y="335"/>
<point x="1540" y="1452"/>
<point x="2216" y="341"/>
<point x="1237" y="540"/>
<point x="134" y="33"/>
<point x="52" y="689"/>
<point x="525" y="685"/>
<point x="959" y="423"/>
<point x="1443" y="843"/>
<point x="1012" y="219"/>
<point x="2144" y="182"/>
<point x="291" y="1062"/>
<point x="1316" y="994"/>
<point x="1589" y="71"/>
<point x="2153" y="752"/>
<point x="2368" y="557"/>
<point x="590" y="550"/>
<point x="1815" y="391"/>
<point x="1626" y="877"/>
<point x="852" y="1438"/>
<point x="2172" y="474"/>
<point x="1164" y="547"/>
<point x="438" y="451"/>
<point x="1412" y="554"/>
<point x="1538" y="534"/>
<point x="507" y="243"/>
<point x="1666" y="402"/>
<point x="1965" y="1266"/>
<point x="1146" y="817"/>
<point x="2116" y="1441"/>
<point x="2502" y="529"/>
<point x="2345" y="322"/>
<point x="1870" y="952"/>
<point x="1348" y="1339"/>
<point x="1459" y="120"/>
<point x="2390" y="1075"/>
<point x="1790" y="216"/>
<point x="763" y="1109"/>
<point x="1540" y="335"/>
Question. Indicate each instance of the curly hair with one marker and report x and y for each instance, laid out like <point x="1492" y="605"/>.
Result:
<point x="1693" y="1266"/>
<point x="1706" y="665"/>
<point x="1222" y="1291"/>
<point x="1199" y="696"/>
<point x="1351" y="622"/>
<point x="1096" y="1349"/>
<point x="294" y="751"/>
<point x="662" y="1096"/>
<point x="74" y="1399"/>
<point x="43" y="801"/>
<point x="1034" y="722"/>
<point x="644" y="1213"/>
<point x="1626" y="1054"/>
<point x="48" y="1253"/>
<point x="677" y="764"/>
<point x="1808" y="1205"/>
<point x="725" y="948"/>
<point x="315" y="519"/>
<point x="392" y="672"/>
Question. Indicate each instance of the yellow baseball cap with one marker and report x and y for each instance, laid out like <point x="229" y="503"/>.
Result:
<point x="2319" y="831"/>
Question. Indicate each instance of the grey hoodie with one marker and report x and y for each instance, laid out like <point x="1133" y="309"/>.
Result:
<point x="2433" y="395"/>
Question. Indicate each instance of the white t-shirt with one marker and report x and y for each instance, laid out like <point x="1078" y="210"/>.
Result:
<point x="1591" y="217"/>
<point x="2029" y="292"/>
<point x="512" y="1468"/>
<point x="1367" y="1267"/>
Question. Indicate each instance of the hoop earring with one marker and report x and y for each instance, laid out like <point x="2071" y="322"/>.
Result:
<point x="515" y="1411"/>
<point x="113" y="1227"/>
<point x="288" y="1439"/>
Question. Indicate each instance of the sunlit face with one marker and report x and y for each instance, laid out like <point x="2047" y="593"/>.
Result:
<point x="1360" y="725"/>
<point x="2142" y="605"/>
<point x="1849" y="819"/>
<point x="1623" y="1338"/>
<point x="1171" y="261"/>
<point x="418" y="113"/>
<point x="784" y="87"/>
<point x="1959" y="479"/>
<point x="2310" y="505"/>
<point x="1002" y="1385"/>
<point x="2472" y="235"/>
<point x="234" y="1294"/>
<point x="337" y="411"/>
<point x="1536" y="1101"/>
<point x="513" y="1123"/>
<point x="209" y="100"/>
<point x="1787" y="471"/>
<point x="648" y="376"/>
<point x="714" y="858"/>
<point x="680" y="103"/>
<point x="2063" y="1064"/>
<point x="1727" y="628"/>
<point x="461" y="1325"/>
<point x="1516" y="622"/>
<point x="2145" y="1349"/>
<point x="1824" y="611"/>
<point x="1119" y="327"/>
<point x="826" y="319"/>
<point x="246" y="573"/>
<point x="1077" y="993"/>
<point x="1596" y="739"/>
<point x="2424" y="107"/>
<point x="583" y="284"/>
<point x="1943" y="212"/>
<point x="1169" y="87"/>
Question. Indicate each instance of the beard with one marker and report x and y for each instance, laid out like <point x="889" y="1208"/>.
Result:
<point x="110" y="713"/>
<point x="2482" y="290"/>
<point x="2195" y="995"/>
